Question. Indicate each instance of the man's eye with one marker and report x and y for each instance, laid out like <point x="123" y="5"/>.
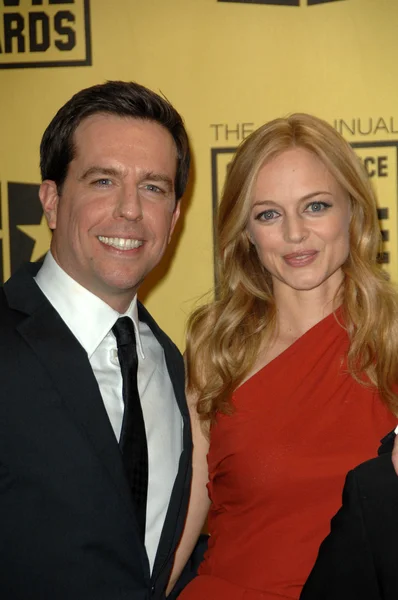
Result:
<point x="103" y="182"/>
<point x="267" y="215"/>
<point x="153" y="188"/>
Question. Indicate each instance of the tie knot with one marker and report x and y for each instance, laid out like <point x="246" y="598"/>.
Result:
<point x="124" y="331"/>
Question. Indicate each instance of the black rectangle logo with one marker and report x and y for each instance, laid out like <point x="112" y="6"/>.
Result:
<point x="44" y="33"/>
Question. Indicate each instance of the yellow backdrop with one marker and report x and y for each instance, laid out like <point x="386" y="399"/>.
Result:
<point x="227" y="67"/>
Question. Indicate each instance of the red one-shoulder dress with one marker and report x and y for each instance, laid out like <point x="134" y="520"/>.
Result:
<point x="277" y="466"/>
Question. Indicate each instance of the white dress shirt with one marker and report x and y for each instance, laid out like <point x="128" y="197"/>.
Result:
<point x="91" y="321"/>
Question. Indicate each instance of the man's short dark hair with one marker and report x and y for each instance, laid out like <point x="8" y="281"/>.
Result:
<point x="121" y="98"/>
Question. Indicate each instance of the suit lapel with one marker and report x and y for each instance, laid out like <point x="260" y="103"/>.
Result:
<point x="69" y="369"/>
<point x="387" y="443"/>
<point x="176" y="512"/>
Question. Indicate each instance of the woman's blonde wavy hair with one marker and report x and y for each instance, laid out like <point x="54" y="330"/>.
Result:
<point x="224" y="336"/>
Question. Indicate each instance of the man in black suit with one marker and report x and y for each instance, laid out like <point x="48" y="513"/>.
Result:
<point x="358" y="560"/>
<point x="92" y="501"/>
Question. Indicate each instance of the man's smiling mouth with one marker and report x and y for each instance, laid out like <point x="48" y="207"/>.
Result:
<point x="120" y="243"/>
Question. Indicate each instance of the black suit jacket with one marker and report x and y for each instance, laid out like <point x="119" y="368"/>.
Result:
<point x="67" y="524"/>
<point x="359" y="558"/>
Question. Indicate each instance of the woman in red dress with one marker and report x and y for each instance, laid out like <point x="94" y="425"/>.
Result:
<point x="292" y="369"/>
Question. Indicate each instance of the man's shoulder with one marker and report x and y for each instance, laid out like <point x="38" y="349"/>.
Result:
<point x="375" y="466"/>
<point x="22" y="280"/>
<point x="375" y="479"/>
<point x="21" y="289"/>
<point x="4" y="307"/>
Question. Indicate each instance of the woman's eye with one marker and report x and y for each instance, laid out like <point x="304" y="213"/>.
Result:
<point x="267" y="215"/>
<point x="317" y="206"/>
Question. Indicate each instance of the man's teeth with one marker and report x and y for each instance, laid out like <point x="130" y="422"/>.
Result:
<point x="120" y="243"/>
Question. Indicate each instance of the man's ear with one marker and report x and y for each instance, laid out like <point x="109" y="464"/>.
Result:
<point x="174" y="219"/>
<point x="49" y="198"/>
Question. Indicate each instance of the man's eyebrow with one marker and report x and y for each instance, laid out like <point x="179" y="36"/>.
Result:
<point x="151" y="176"/>
<point x="112" y="172"/>
<point x="97" y="170"/>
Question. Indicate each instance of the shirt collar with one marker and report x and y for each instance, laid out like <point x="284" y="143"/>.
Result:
<point x="88" y="317"/>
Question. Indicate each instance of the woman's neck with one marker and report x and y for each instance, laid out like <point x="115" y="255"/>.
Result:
<point x="298" y="311"/>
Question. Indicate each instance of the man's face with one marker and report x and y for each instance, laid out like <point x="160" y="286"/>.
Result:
<point x="117" y="209"/>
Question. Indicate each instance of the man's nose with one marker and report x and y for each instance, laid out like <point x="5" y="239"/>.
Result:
<point x="128" y="205"/>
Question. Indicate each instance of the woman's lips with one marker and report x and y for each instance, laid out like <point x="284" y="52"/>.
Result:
<point x="301" y="259"/>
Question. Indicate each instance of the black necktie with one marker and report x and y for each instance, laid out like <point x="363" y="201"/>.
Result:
<point x="132" y="442"/>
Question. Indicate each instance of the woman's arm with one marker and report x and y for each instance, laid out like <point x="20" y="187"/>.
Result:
<point x="199" y="502"/>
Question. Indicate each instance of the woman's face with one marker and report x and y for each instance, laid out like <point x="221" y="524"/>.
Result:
<point x="299" y="222"/>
